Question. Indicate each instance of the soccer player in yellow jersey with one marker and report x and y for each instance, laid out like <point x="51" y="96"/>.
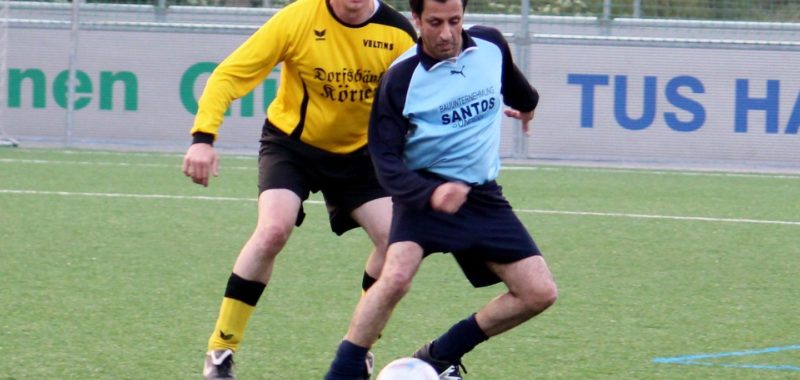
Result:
<point x="332" y="55"/>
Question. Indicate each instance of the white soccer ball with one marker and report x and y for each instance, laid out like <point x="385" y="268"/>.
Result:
<point x="408" y="369"/>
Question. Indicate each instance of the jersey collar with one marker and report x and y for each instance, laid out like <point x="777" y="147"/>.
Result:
<point x="376" y="7"/>
<point x="428" y="62"/>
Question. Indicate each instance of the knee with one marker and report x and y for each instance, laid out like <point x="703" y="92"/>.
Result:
<point x="271" y="238"/>
<point x="397" y="281"/>
<point x="399" y="270"/>
<point x="549" y="294"/>
<point x="540" y="296"/>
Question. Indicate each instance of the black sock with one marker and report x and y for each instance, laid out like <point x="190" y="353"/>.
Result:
<point x="367" y="281"/>
<point x="460" y="339"/>
<point x="243" y="290"/>
<point x="349" y="362"/>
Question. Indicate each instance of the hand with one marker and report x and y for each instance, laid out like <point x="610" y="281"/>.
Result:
<point x="200" y="160"/>
<point x="524" y="117"/>
<point x="449" y="197"/>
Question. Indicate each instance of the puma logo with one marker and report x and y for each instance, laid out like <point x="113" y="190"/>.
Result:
<point x="225" y="336"/>
<point x="454" y="72"/>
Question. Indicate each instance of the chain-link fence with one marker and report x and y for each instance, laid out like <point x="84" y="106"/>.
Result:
<point x="730" y="10"/>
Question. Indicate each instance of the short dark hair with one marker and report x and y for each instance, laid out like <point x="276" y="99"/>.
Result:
<point x="417" y="6"/>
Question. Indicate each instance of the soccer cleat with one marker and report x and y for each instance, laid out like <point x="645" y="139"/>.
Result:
<point x="446" y="370"/>
<point x="219" y="365"/>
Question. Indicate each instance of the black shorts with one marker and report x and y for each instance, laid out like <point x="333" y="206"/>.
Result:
<point x="484" y="229"/>
<point x="346" y="181"/>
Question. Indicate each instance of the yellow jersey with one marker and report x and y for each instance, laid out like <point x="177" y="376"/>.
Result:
<point x="329" y="73"/>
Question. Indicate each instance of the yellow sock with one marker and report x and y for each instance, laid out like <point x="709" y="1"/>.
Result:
<point x="232" y="321"/>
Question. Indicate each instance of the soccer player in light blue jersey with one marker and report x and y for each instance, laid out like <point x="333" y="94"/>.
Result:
<point x="434" y="137"/>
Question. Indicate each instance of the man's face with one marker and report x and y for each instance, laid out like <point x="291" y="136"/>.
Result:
<point x="440" y="27"/>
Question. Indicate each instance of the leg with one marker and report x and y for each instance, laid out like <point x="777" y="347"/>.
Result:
<point x="531" y="290"/>
<point x="277" y="212"/>
<point x="375" y="217"/>
<point x="375" y="308"/>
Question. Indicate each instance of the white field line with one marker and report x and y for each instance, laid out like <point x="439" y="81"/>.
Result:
<point x="532" y="211"/>
<point x="655" y="216"/>
<point x="141" y="196"/>
<point x="130" y="154"/>
<point x="253" y="167"/>
<point x="123" y="195"/>
<point x="697" y="173"/>
<point x="177" y="167"/>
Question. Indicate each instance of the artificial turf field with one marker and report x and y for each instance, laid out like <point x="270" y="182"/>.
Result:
<point x="113" y="264"/>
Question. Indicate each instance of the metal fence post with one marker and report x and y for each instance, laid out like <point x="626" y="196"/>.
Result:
<point x="72" y="78"/>
<point x="161" y="11"/>
<point x="523" y="46"/>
